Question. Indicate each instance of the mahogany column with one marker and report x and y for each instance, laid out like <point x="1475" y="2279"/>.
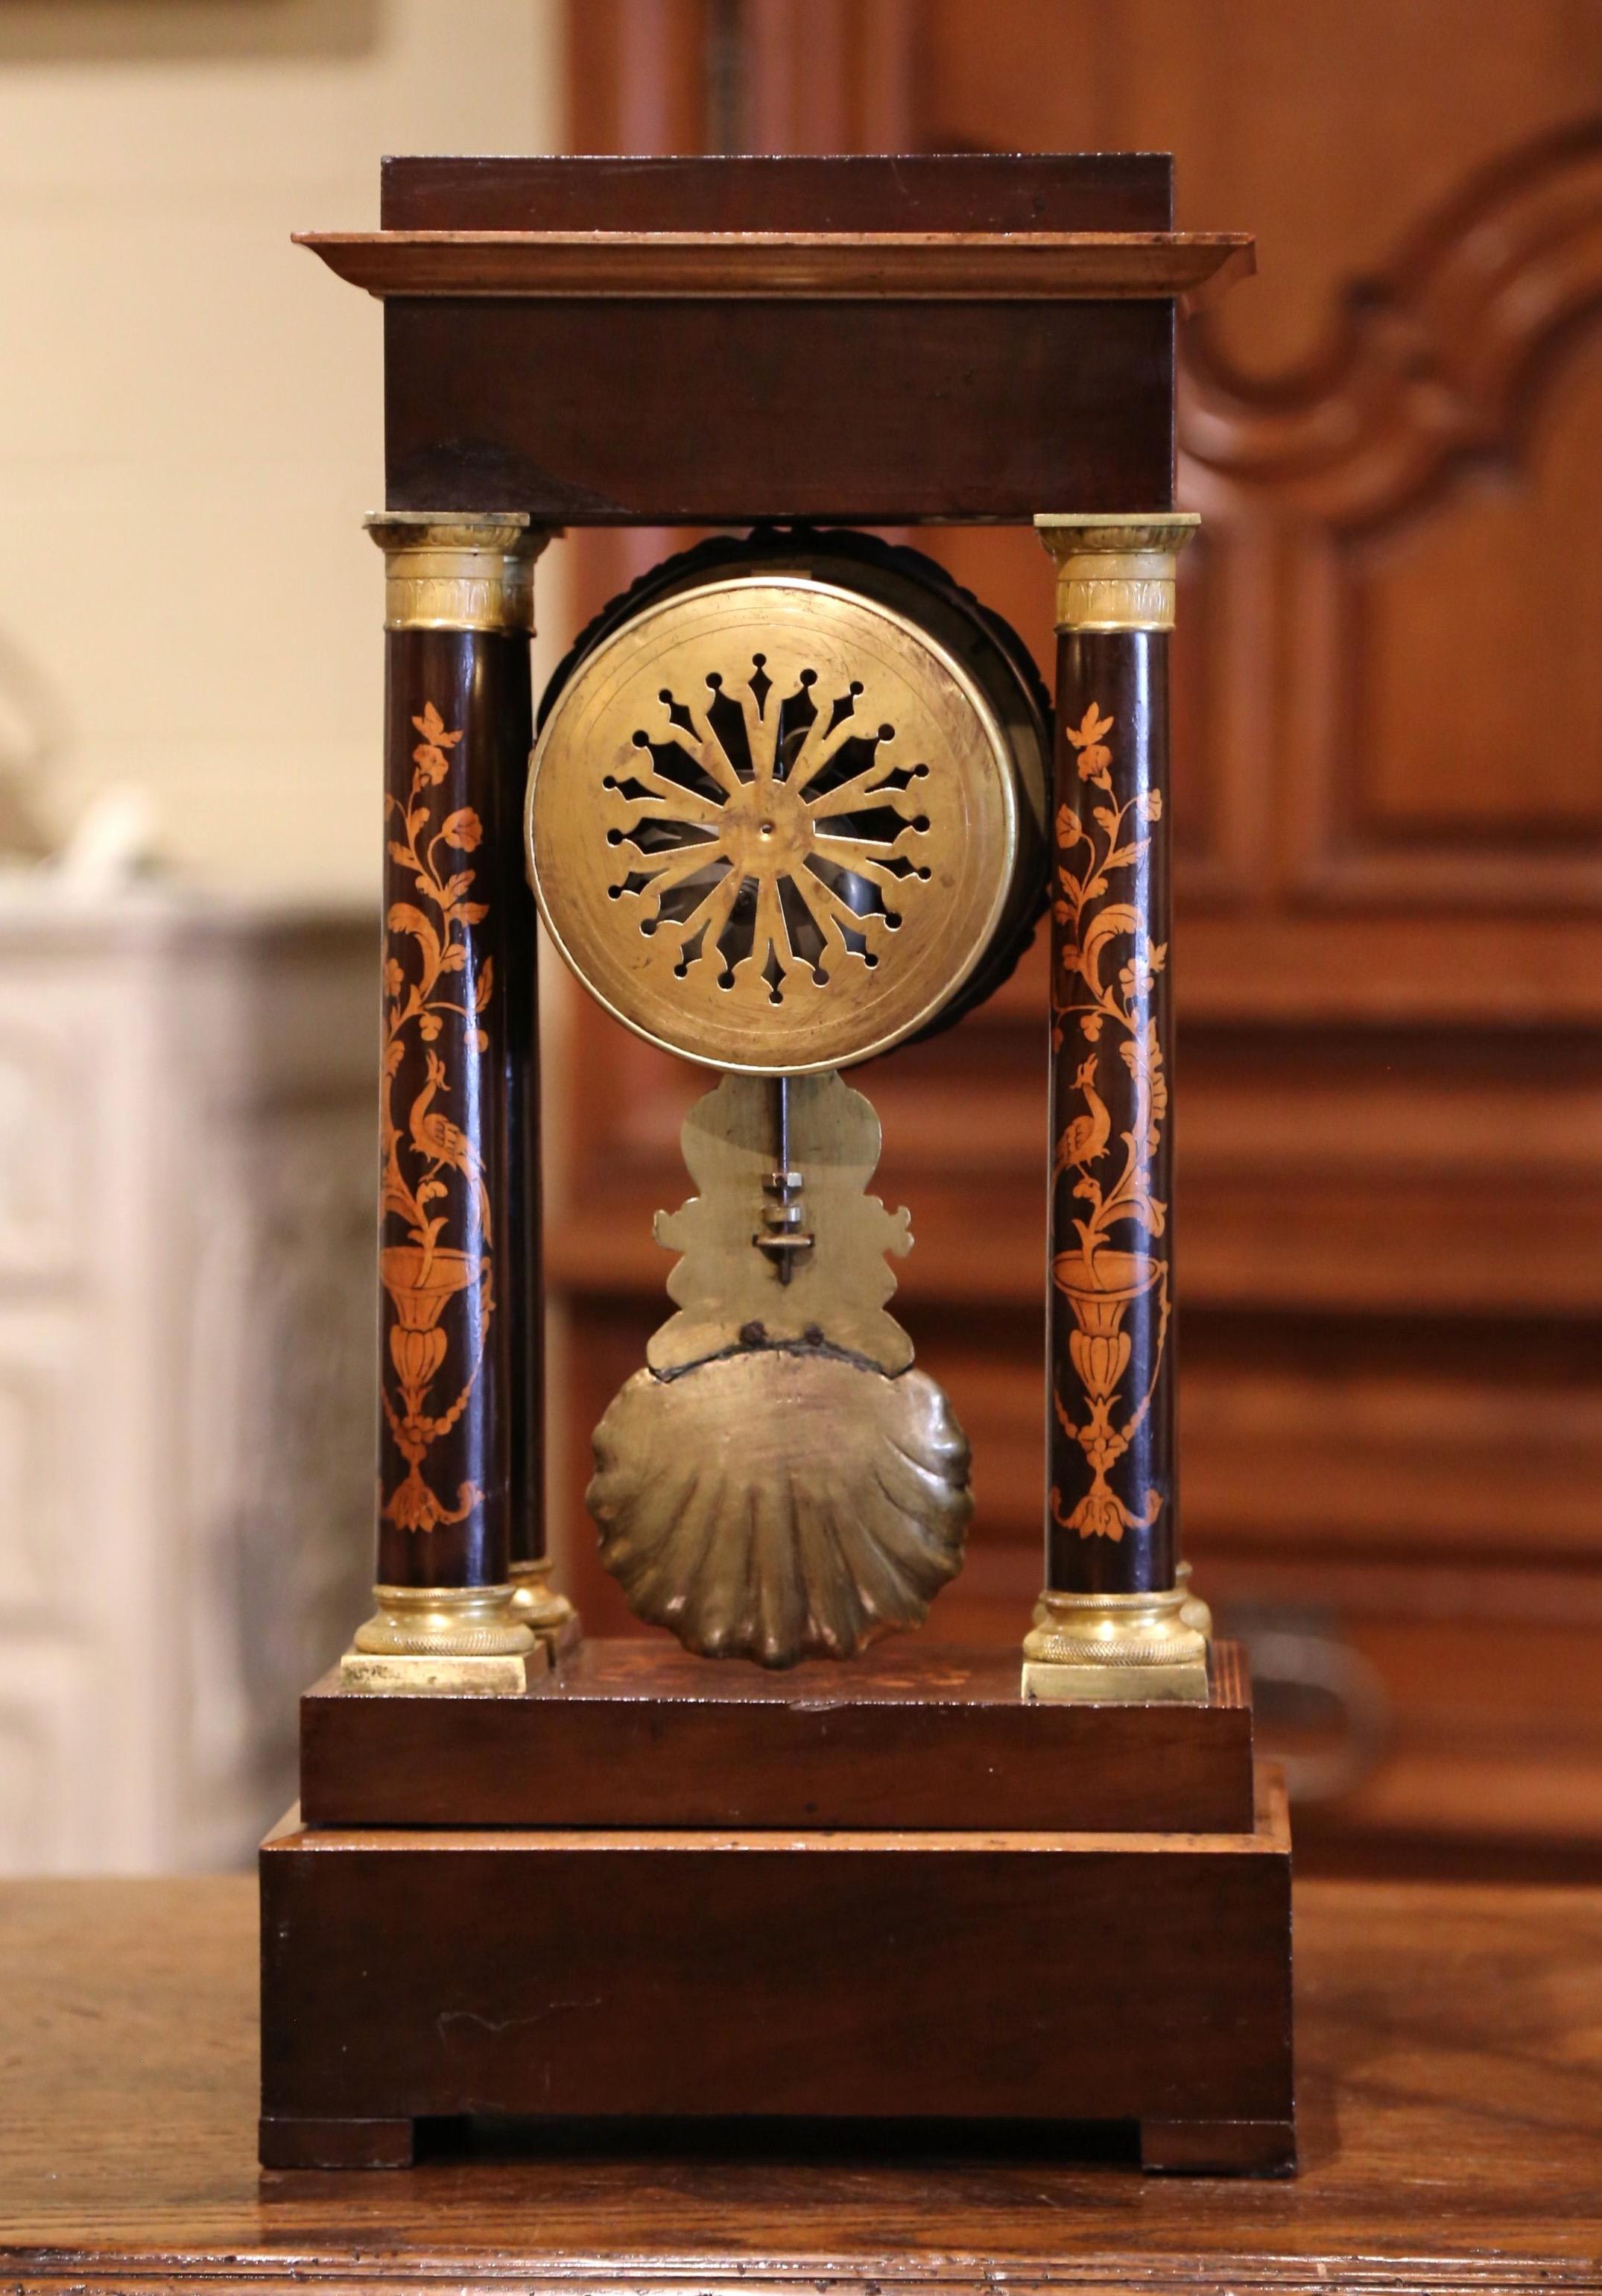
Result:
<point x="459" y="1385"/>
<point x="1115" y="1621"/>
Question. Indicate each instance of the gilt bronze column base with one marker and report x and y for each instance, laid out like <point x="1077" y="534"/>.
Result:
<point x="1116" y="1649"/>
<point x="549" y="1616"/>
<point x="1194" y="1609"/>
<point x="432" y="1638"/>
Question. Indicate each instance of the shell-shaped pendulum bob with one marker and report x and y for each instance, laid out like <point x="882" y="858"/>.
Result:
<point x="780" y="1503"/>
<point x="781" y="1483"/>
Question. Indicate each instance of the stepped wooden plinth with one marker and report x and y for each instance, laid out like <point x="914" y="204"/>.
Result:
<point x="642" y="1734"/>
<point x="890" y="1890"/>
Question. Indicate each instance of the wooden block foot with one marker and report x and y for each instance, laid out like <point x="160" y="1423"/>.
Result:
<point x="1235" y="2148"/>
<point x="287" y="2140"/>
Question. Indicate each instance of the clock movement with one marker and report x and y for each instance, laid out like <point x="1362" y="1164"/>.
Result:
<point x="786" y="811"/>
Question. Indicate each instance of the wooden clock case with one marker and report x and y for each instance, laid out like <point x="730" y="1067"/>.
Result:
<point x="656" y="1886"/>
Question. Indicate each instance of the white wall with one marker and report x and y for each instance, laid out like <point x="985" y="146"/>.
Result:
<point x="190" y="408"/>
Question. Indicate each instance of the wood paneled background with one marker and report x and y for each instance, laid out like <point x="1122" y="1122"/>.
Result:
<point x="1389" y="808"/>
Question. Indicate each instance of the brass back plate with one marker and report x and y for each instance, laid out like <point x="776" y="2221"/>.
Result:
<point x="771" y="825"/>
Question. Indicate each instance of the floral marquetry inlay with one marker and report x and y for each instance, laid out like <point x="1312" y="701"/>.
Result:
<point x="1102" y="997"/>
<point x="432" y="1180"/>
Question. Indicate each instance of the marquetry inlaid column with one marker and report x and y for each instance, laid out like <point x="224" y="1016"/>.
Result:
<point x="459" y="1516"/>
<point x="1115" y="1621"/>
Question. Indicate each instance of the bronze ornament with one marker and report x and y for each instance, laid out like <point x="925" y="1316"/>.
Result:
<point x="788" y="808"/>
<point x="538" y="1605"/>
<point x="780" y="1503"/>
<point x="459" y="570"/>
<point x="839" y="1285"/>
<point x="1117" y="573"/>
<point x="1143" y="1649"/>
<point x="778" y="1483"/>
<point x="773" y="825"/>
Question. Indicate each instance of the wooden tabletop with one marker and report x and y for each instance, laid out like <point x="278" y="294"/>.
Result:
<point x="1450" y="2092"/>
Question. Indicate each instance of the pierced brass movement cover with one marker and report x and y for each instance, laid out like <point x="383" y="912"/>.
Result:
<point x="775" y="823"/>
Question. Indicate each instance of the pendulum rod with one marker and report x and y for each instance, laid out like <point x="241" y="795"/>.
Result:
<point x="783" y="1238"/>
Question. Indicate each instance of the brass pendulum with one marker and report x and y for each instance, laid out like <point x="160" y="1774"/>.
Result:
<point x="779" y="1482"/>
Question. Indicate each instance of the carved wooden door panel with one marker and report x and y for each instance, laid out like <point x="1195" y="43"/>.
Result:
<point x="1389" y="812"/>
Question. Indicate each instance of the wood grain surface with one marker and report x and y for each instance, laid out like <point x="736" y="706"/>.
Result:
<point x="957" y="192"/>
<point x="411" y="1974"/>
<point x="909" y="1735"/>
<point x="1450" y="2076"/>
<point x="593" y="410"/>
<point x="963" y="339"/>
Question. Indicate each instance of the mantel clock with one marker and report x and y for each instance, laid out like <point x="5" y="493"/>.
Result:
<point x="792" y="801"/>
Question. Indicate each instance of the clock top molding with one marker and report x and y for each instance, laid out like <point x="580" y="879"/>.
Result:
<point x="971" y="266"/>
<point x="598" y="342"/>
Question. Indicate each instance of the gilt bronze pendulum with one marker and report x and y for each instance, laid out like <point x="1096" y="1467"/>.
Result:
<point x="787" y="810"/>
<point x="779" y="1482"/>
